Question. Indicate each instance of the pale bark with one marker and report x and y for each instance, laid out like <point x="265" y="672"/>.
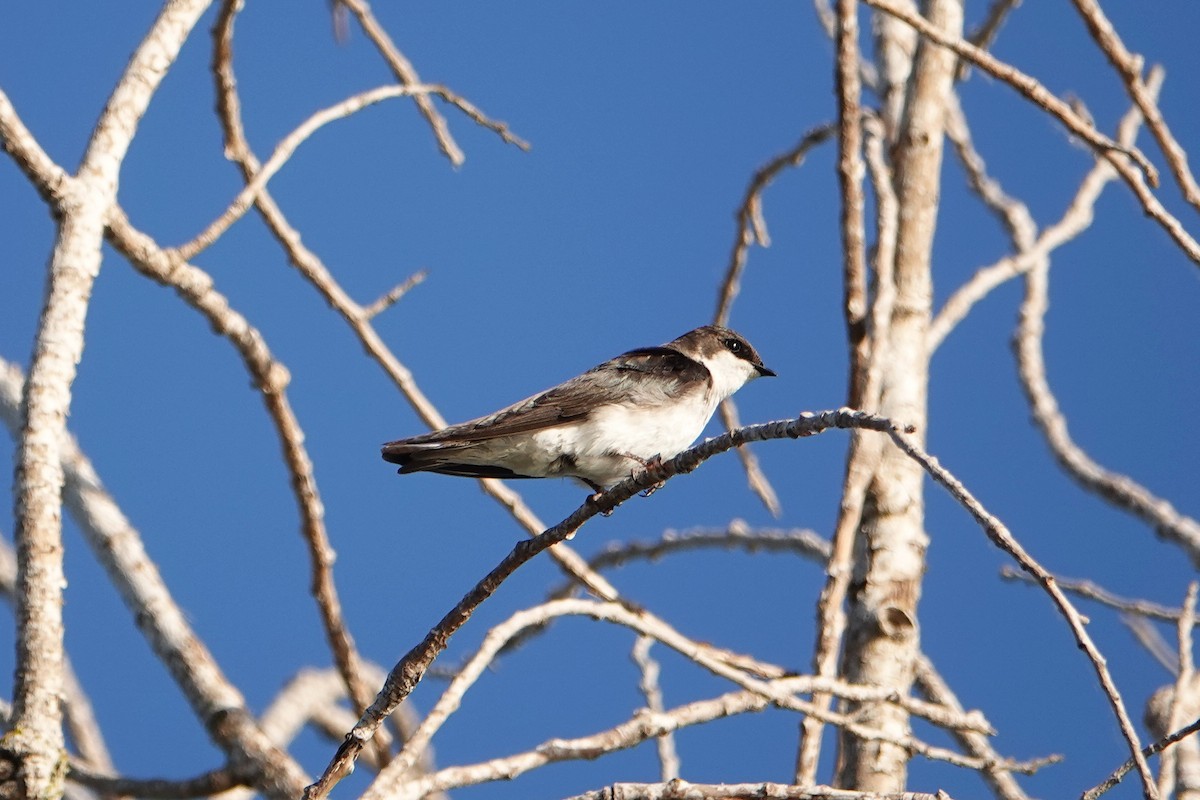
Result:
<point x="882" y="640"/>
<point x="34" y="744"/>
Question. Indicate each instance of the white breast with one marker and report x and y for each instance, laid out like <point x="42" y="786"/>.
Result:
<point x="601" y="447"/>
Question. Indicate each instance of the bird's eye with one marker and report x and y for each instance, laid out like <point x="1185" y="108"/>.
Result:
<point x="734" y="346"/>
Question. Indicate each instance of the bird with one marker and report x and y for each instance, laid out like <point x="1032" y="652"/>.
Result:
<point x="635" y="410"/>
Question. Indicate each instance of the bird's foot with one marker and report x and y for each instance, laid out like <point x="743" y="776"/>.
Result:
<point x="649" y="464"/>
<point x="652" y="489"/>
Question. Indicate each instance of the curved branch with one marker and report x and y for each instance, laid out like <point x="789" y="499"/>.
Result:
<point x="34" y="745"/>
<point x="1079" y="214"/>
<point x="406" y="74"/>
<point x="1120" y="490"/>
<point x="205" y="785"/>
<point x="408" y="671"/>
<point x="1129" y="66"/>
<point x="999" y="534"/>
<point x="1116" y="154"/>
<point x="216" y="702"/>
<point x="780" y="692"/>
<point x="751" y="227"/>
<point x="358" y="318"/>
<point x="288" y="146"/>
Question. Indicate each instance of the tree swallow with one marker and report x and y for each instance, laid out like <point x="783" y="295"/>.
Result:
<point x="640" y="407"/>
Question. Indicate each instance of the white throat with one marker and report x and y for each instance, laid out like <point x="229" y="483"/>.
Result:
<point x="729" y="373"/>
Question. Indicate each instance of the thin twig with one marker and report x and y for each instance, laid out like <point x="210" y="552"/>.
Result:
<point x="935" y="689"/>
<point x="392" y="296"/>
<point x="999" y="534"/>
<point x="288" y="146"/>
<point x="736" y="536"/>
<point x="750" y="225"/>
<point x="1012" y="213"/>
<point x="1183" y="682"/>
<point x="1148" y="636"/>
<point x="851" y="172"/>
<point x="983" y="36"/>
<point x="668" y="757"/>
<point x="1129" y="67"/>
<point x="1075" y="219"/>
<point x="312" y="698"/>
<point x="210" y="783"/>
<point x="1120" y="490"/>
<point x="1094" y="591"/>
<point x="756" y="479"/>
<point x="1116" y="154"/>
<point x="216" y="702"/>
<point x="683" y="790"/>
<point x="1123" y="770"/>
<point x="406" y="74"/>
<point x="312" y="268"/>
<point x="409" y="670"/>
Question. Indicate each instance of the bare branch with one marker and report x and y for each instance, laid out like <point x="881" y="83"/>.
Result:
<point x="1013" y="214"/>
<point x="1116" y="154"/>
<point x="406" y="74"/>
<point x="403" y="69"/>
<point x="284" y="150"/>
<point x="1129" y="67"/>
<point x="737" y="535"/>
<point x="1025" y="84"/>
<point x="851" y="172"/>
<point x="895" y="45"/>
<point x="935" y="689"/>
<point x="983" y="36"/>
<point x="1123" y="492"/>
<point x="1003" y="538"/>
<point x="864" y="453"/>
<point x="1078" y="216"/>
<point x="80" y="717"/>
<point x="46" y="176"/>
<point x="756" y="479"/>
<point x="1093" y="591"/>
<point x="218" y="705"/>
<point x="750" y="225"/>
<point x="683" y="790"/>
<point x="405" y="675"/>
<point x="33" y="748"/>
<point x="395" y="781"/>
<point x="881" y="640"/>
<point x="394" y="294"/>
<point x="1123" y="770"/>
<point x="1152" y="641"/>
<point x="210" y="783"/>
<point x="668" y="758"/>
<point x="311" y="267"/>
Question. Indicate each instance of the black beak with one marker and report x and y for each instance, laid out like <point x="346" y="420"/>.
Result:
<point x="763" y="371"/>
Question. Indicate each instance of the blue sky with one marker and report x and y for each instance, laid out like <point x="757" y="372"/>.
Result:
<point x="613" y="232"/>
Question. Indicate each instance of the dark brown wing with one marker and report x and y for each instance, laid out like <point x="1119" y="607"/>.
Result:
<point x="619" y="380"/>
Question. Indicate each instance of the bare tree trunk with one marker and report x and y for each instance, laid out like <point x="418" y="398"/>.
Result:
<point x="882" y="639"/>
<point x="33" y="750"/>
